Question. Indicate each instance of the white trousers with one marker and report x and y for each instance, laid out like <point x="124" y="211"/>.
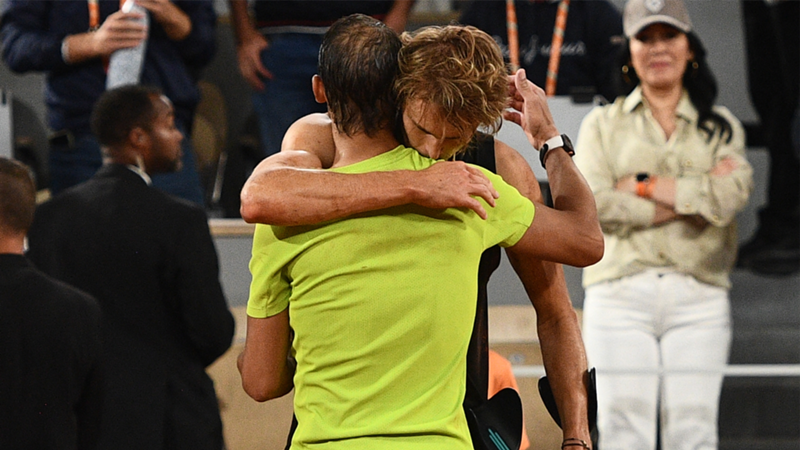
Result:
<point x="650" y="324"/>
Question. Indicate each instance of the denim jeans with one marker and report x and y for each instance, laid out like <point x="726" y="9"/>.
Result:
<point x="75" y="161"/>
<point x="650" y="322"/>
<point x="292" y="59"/>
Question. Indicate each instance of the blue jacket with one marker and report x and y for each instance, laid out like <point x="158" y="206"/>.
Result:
<point x="32" y="31"/>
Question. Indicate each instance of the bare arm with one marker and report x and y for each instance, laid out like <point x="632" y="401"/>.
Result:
<point x="175" y="22"/>
<point x="562" y="346"/>
<point x="290" y="188"/>
<point x="265" y="364"/>
<point x="570" y="232"/>
<point x="249" y="44"/>
<point x="397" y="17"/>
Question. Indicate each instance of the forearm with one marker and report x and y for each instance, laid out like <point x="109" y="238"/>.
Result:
<point x="240" y="19"/>
<point x="565" y="363"/>
<point x="397" y="17"/>
<point x="294" y="196"/>
<point x="572" y="196"/>
<point x="561" y="343"/>
<point x="177" y="25"/>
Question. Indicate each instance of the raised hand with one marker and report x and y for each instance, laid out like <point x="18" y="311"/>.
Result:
<point x="531" y="111"/>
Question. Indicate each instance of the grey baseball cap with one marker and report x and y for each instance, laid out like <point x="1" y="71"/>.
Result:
<point x="640" y="14"/>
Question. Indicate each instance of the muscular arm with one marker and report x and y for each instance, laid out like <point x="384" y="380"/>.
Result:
<point x="290" y="188"/>
<point x="570" y="232"/>
<point x="265" y="363"/>
<point x="562" y="346"/>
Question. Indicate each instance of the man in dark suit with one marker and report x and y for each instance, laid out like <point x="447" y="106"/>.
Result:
<point x="50" y="377"/>
<point x="150" y="261"/>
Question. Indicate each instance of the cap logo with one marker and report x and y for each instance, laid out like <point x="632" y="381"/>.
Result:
<point x="654" y="6"/>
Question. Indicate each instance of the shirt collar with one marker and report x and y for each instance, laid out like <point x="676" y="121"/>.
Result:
<point x="685" y="109"/>
<point x="141" y="173"/>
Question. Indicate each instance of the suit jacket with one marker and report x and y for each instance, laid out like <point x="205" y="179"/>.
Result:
<point x="50" y="376"/>
<point x="150" y="261"/>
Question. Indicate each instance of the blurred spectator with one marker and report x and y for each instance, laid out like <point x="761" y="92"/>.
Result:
<point x="669" y="174"/>
<point x="149" y="260"/>
<point x="589" y="41"/>
<point x="71" y="41"/>
<point x="278" y="55"/>
<point x="773" y="39"/>
<point x="50" y="379"/>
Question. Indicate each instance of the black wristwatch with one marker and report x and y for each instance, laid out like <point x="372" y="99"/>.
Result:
<point x="561" y="141"/>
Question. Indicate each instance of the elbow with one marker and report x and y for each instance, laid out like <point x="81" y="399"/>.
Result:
<point x="263" y="390"/>
<point x="592" y="249"/>
<point x="252" y="208"/>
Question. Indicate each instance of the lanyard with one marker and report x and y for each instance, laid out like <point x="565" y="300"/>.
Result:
<point x="94" y="13"/>
<point x="555" y="44"/>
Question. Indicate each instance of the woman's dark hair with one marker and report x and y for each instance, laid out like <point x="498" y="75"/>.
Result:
<point x="699" y="83"/>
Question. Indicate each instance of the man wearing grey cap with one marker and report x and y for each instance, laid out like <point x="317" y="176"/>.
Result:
<point x="668" y="171"/>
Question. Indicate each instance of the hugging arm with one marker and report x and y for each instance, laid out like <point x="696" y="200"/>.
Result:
<point x="291" y="187"/>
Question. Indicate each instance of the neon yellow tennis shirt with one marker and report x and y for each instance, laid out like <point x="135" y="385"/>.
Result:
<point x="382" y="305"/>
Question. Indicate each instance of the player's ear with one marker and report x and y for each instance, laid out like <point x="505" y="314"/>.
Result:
<point x="319" y="89"/>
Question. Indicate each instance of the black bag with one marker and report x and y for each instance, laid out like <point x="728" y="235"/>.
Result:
<point x="550" y="401"/>
<point x="497" y="423"/>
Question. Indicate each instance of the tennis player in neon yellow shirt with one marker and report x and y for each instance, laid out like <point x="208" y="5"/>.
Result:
<point x="381" y="303"/>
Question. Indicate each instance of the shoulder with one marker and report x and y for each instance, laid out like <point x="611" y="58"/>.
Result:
<point x="61" y="297"/>
<point x="314" y="134"/>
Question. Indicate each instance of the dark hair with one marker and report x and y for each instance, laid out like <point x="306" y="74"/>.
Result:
<point x="699" y="83"/>
<point x="358" y="65"/>
<point x="17" y="197"/>
<point x="120" y="110"/>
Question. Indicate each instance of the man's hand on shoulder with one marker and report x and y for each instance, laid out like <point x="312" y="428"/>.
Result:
<point x="454" y="184"/>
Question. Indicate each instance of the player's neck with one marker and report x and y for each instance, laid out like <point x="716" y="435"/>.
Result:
<point x="12" y="244"/>
<point x="360" y="147"/>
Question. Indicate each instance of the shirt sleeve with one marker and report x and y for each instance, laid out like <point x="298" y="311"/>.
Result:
<point x="718" y="198"/>
<point x="512" y="215"/>
<point x="270" y="289"/>
<point x="28" y="42"/>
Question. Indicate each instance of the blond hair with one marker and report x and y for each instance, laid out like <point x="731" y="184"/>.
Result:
<point x="459" y="70"/>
